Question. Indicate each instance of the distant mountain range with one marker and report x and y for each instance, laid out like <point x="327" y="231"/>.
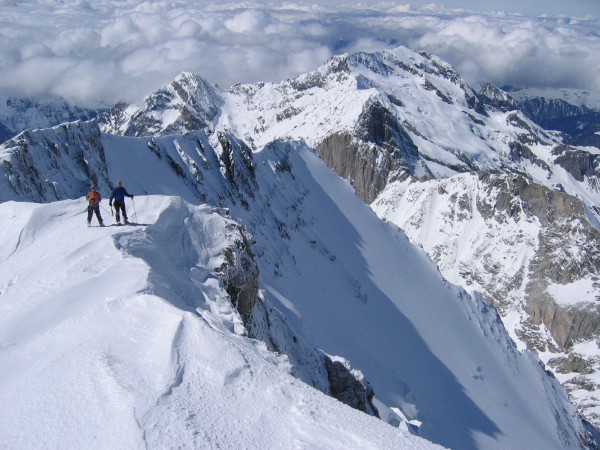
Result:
<point x="498" y="186"/>
<point x="575" y="113"/>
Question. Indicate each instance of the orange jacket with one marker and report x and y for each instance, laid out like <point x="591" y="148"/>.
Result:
<point x="93" y="199"/>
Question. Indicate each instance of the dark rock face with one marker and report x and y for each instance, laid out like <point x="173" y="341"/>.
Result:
<point x="579" y="123"/>
<point x="348" y="389"/>
<point x="354" y="161"/>
<point x="379" y="151"/>
<point x="577" y="162"/>
<point x="567" y="325"/>
<point x="52" y="164"/>
<point x="239" y="275"/>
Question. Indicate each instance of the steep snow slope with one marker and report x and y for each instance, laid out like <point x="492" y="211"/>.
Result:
<point x="361" y="290"/>
<point x="438" y="360"/>
<point x="94" y="358"/>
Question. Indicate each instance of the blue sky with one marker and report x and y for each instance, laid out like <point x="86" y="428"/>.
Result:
<point x="103" y="51"/>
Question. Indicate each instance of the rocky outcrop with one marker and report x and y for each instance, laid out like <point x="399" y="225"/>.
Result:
<point x="579" y="163"/>
<point x="516" y="195"/>
<point x="380" y="150"/>
<point x="528" y="249"/>
<point x="563" y="228"/>
<point x="567" y="325"/>
<point x="239" y="275"/>
<point x="53" y="164"/>
<point x="348" y="386"/>
<point x="238" y="164"/>
<point x="354" y="161"/>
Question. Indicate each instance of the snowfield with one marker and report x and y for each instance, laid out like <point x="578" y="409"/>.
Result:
<point x="92" y="358"/>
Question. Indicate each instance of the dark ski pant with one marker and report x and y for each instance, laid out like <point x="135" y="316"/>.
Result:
<point x="91" y="211"/>
<point x="120" y="206"/>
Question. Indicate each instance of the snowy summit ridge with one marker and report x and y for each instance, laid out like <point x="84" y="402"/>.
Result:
<point x="260" y="239"/>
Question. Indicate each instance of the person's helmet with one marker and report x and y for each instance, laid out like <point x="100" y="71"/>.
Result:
<point x="119" y="183"/>
<point x="93" y="186"/>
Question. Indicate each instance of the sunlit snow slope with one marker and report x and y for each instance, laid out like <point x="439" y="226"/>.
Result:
<point x="91" y="357"/>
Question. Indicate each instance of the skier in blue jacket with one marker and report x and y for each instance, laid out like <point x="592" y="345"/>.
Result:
<point x="118" y="195"/>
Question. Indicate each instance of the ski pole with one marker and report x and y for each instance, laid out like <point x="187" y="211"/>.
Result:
<point x="104" y="209"/>
<point x="134" y="211"/>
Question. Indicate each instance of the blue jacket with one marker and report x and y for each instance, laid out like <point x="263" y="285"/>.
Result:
<point x="118" y="194"/>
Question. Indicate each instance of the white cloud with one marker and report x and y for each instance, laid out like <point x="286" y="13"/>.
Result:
<point x="122" y="50"/>
<point x="518" y="51"/>
<point x="248" y="21"/>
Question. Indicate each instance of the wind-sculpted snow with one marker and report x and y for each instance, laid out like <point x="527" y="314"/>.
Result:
<point x="110" y="350"/>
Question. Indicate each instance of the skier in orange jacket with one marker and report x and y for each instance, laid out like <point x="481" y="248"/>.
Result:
<point x="93" y="199"/>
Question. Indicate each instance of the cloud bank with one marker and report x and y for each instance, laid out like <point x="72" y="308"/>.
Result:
<point x="103" y="51"/>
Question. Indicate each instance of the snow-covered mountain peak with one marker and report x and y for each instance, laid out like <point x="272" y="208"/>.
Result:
<point x="188" y="103"/>
<point x="496" y="97"/>
<point x="311" y="106"/>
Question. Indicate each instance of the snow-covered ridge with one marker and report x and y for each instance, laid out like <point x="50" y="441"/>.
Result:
<point x="454" y="128"/>
<point x="17" y="114"/>
<point x="103" y="345"/>
<point x="373" y="299"/>
<point x="574" y="97"/>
